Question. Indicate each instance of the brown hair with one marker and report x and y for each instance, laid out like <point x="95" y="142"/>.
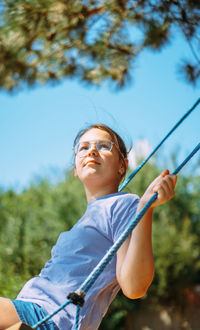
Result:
<point x="116" y="138"/>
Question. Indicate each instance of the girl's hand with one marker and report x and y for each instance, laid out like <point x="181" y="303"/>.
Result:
<point x="164" y="185"/>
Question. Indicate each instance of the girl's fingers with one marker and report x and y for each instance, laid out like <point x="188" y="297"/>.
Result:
<point x="164" y="185"/>
<point x="165" y="188"/>
<point x="169" y="183"/>
<point x="164" y="173"/>
<point x="161" y="176"/>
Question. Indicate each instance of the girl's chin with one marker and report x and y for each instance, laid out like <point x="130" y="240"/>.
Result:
<point x="92" y="170"/>
<point x="92" y="175"/>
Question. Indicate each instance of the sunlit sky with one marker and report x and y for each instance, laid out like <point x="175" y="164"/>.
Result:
<point x="37" y="126"/>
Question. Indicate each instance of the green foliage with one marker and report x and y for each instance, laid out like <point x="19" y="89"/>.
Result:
<point x="30" y="224"/>
<point x="176" y="238"/>
<point x="118" y="312"/>
<point x="92" y="40"/>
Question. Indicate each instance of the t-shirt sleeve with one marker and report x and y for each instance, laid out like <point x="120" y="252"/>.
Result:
<point x="123" y="213"/>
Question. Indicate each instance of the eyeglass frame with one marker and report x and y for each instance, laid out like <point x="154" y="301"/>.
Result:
<point x="93" y="142"/>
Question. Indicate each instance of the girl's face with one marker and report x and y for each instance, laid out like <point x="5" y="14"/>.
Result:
<point x="95" y="163"/>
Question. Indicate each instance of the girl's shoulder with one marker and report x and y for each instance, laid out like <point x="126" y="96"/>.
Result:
<point x="126" y="201"/>
<point x="125" y="198"/>
<point x="114" y="202"/>
<point x="120" y="200"/>
<point x="122" y="213"/>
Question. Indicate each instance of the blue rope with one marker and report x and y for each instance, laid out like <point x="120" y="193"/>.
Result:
<point x="112" y="251"/>
<point x="187" y="159"/>
<point x="126" y="181"/>
<point x="77" y="318"/>
<point x="69" y="301"/>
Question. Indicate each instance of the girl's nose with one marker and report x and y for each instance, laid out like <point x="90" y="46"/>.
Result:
<point x="92" y="150"/>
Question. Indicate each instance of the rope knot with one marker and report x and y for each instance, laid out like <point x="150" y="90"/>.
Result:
<point x="77" y="297"/>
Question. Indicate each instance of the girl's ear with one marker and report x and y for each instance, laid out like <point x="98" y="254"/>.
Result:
<point x="126" y="163"/>
<point x="123" y="166"/>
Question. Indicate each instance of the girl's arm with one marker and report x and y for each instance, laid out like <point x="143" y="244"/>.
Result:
<point x="135" y="265"/>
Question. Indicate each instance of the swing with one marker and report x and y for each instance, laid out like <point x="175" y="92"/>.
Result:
<point x="77" y="297"/>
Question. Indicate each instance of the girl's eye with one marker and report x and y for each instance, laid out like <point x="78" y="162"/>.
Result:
<point x="103" y="146"/>
<point x="83" y="147"/>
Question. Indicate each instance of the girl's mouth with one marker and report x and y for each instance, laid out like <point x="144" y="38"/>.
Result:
<point x="92" y="162"/>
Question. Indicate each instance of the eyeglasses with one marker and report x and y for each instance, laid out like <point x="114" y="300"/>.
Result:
<point x="81" y="149"/>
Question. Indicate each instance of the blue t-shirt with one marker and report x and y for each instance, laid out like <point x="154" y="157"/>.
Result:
<point x="74" y="256"/>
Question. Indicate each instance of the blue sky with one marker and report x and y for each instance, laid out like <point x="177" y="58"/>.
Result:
<point x="37" y="126"/>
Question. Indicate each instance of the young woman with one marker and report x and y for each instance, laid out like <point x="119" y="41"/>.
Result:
<point x="100" y="163"/>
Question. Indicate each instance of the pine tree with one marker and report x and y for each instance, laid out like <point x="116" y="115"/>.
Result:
<point x="91" y="40"/>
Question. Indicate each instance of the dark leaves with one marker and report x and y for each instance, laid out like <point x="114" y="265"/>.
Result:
<point x="44" y="40"/>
